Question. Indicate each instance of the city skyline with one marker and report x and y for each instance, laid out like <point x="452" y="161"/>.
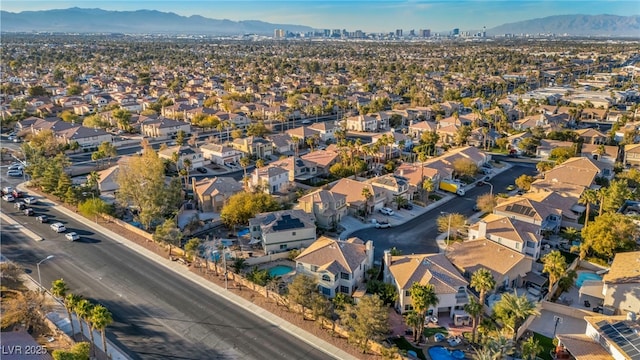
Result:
<point x="372" y="16"/>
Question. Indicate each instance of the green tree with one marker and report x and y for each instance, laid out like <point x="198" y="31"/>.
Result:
<point x="192" y="247"/>
<point x="101" y="318"/>
<point x="79" y="351"/>
<point x="243" y="206"/>
<point x="94" y="207"/>
<point x="423" y="297"/>
<point x="608" y="233"/>
<point x="37" y="90"/>
<point x="562" y="154"/>
<point x="181" y="137"/>
<point x="238" y="264"/>
<point x="415" y="321"/>
<point x="475" y="309"/>
<point x="387" y="292"/>
<point x="588" y="197"/>
<point x="168" y="234"/>
<point x="511" y="310"/>
<point x="68" y="116"/>
<point x="615" y="195"/>
<point x="530" y="348"/>
<point x="555" y="265"/>
<point x="428" y="186"/>
<point x="70" y="304"/>
<point x="524" y="182"/>
<point x="300" y="291"/>
<point x="59" y="289"/>
<point x="483" y="282"/>
<point x="320" y="307"/>
<point x="366" y="321"/>
<point x="108" y="150"/>
<point x="544" y="166"/>
<point x="123" y="119"/>
<point x="244" y="163"/>
<point x="83" y="309"/>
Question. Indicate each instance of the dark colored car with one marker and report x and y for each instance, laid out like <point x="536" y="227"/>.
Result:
<point x="42" y="218"/>
<point x="201" y="170"/>
<point x="407" y="206"/>
<point x="29" y="212"/>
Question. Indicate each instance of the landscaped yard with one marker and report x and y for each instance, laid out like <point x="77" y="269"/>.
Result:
<point x="403" y="344"/>
<point x="428" y="332"/>
<point x="547" y="346"/>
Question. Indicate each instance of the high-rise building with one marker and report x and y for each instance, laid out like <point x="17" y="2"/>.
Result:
<point x="412" y="32"/>
<point x="327" y="32"/>
<point x="359" y="34"/>
<point x="398" y="32"/>
<point x="456" y="32"/>
<point x="425" y="33"/>
<point x="279" y="33"/>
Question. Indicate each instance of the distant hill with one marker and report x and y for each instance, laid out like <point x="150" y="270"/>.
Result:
<point x="140" y="22"/>
<point x="575" y="25"/>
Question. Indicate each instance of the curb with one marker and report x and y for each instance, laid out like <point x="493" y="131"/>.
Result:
<point x="265" y="315"/>
<point x="12" y="222"/>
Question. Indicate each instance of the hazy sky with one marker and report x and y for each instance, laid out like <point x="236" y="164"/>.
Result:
<point x="369" y="15"/>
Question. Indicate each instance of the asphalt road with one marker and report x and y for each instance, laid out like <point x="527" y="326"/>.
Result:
<point x="157" y="313"/>
<point x="418" y="236"/>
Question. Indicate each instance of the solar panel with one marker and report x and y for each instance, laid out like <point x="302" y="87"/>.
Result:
<point x="623" y="336"/>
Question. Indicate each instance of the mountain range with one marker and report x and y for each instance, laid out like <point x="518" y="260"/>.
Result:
<point x="78" y="20"/>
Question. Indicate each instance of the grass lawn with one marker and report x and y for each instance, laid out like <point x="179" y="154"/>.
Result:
<point x="405" y="345"/>
<point x="428" y="332"/>
<point x="547" y="346"/>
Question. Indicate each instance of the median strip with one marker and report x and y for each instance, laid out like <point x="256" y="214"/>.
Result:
<point x="10" y="221"/>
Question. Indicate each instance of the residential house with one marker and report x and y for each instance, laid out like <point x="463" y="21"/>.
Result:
<point x="606" y="337"/>
<point x="592" y="136"/>
<point x="477" y="156"/>
<point x="254" y="146"/>
<point x="84" y="136"/>
<point x="284" y="230"/>
<point x="362" y="123"/>
<point x="560" y="188"/>
<point x="415" y="174"/>
<point x="632" y="155"/>
<point x="271" y="179"/>
<point x="220" y="154"/>
<point x="337" y="266"/>
<point x="508" y="266"/>
<point x="580" y="171"/>
<point x="108" y="179"/>
<point x="299" y="169"/>
<point x="622" y="283"/>
<point x="543" y="150"/>
<point x="435" y="269"/>
<point x="526" y="210"/>
<point x="417" y="129"/>
<point x="303" y="133"/>
<point x="326" y="206"/>
<point x="281" y="143"/>
<point x="398" y="140"/>
<point x="517" y="235"/>
<point x="394" y="187"/>
<point x="187" y="155"/>
<point x="605" y="153"/>
<point x="162" y="127"/>
<point x="323" y="160"/>
<point x="483" y="138"/>
<point x="359" y="200"/>
<point x="326" y="130"/>
<point x="567" y="204"/>
<point x="212" y="193"/>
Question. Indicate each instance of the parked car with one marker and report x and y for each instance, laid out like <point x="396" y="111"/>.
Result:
<point x="201" y="170"/>
<point x="30" y="200"/>
<point x="29" y="212"/>
<point x="20" y="205"/>
<point x="17" y="194"/>
<point x="407" y="206"/>
<point x="8" y="198"/>
<point x="72" y="236"/>
<point x="42" y="218"/>
<point x="14" y="173"/>
<point x="387" y="211"/>
<point x="306" y="122"/>
<point x="7" y="190"/>
<point x="383" y="225"/>
<point x="58" y="227"/>
<point x="16" y="167"/>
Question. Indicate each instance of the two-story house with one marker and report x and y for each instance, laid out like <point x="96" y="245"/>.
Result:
<point x="592" y="136"/>
<point x="416" y="174"/>
<point x="435" y="269"/>
<point x="163" y="128"/>
<point x="212" y="193"/>
<point x="186" y="155"/>
<point x="417" y="129"/>
<point x="517" y="235"/>
<point x="529" y="211"/>
<point x="323" y="159"/>
<point x="270" y="179"/>
<point x="284" y="230"/>
<point x="622" y="282"/>
<point x="337" y="266"/>
<point x="220" y="154"/>
<point x="254" y="146"/>
<point x="326" y="130"/>
<point x="581" y="171"/>
<point x="359" y="200"/>
<point x="362" y="123"/>
<point x="394" y="186"/>
<point x="326" y="206"/>
<point x="605" y="153"/>
<point x="632" y="155"/>
<point x="298" y="168"/>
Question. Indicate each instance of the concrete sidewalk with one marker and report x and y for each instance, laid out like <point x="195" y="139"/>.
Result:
<point x="293" y="330"/>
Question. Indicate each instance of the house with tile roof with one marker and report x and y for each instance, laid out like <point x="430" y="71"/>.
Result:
<point x="338" y="266"/>
<point x="281" y="143"/>
<point x="564" y="189"/>
<point x="632" y="155"/>
<point x="254" y="146"/>
<point x="616" y="335"/>
<point x="220" y="154"/>
<point x="362" y="123"/>
<point x="415" y="174"/>
<point x="271" y="179"/>
<point x="567" y="204"/>
<point x="212" y="193"/>
<point x="517" y="235"/>
<point x="508" y="266"/>
<point x="592" y="136"/>
<point x="435" y="269"/>
<point x="548" y="218"/>
<point x="394" y="186"/>
<point x="163" y="128"/>
<point x="605" y="153"/>
<point x="579" y="171"/>
<point x="326" y="206"/>
<point x="326" y="130"/>
<point x="299" y="169"/>
<point x="323" y="159"/>
<point x="416" y="129"/>
<point x="186" y="154"/>
<point x="281" y="231"/>
<point x="621" y="288"/>
<point x="357" y="203"/>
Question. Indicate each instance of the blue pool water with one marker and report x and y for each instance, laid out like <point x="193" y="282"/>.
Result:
<point x="586" y="276"/>
<point x="442" y="353"/>
<point x="280" y="270"/>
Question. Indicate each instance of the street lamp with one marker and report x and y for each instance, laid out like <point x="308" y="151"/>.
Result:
<point x="38" y="267"/>
<point x="226" y="275"/>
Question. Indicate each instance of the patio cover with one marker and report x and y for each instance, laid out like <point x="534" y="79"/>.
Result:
<point x="583" y="347"/>
<point x="534" y="278"/>
<point x="592" y="288"/>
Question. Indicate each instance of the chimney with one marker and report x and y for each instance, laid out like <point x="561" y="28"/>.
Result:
<point x="387" y="258"/>
<point x="369" y="252"/>
<point x="482" y="229"/>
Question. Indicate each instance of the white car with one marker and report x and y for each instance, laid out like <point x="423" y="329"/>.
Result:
<point x="58" y="227"/>
<point x="8" y="198"/>
<point x="72" y="236"/>
<point x="383" y="225"/>
<point x="30" y="200"/>
<point x="387" y="211"/>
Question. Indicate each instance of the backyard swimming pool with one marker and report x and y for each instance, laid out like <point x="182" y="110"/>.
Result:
<point x="586" y="276"/>
<point x="280" y="270"/>
<point x="442" y="353"/>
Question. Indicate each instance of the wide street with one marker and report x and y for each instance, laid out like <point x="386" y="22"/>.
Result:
<point x="157" y="313"/>
<point x="419" y="235"/>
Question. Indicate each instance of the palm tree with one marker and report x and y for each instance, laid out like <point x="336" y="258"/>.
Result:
<point x="587" y="198"/>
<point x="555" y="265"/>
<point x="512" y="310"/>
<point x="70" y="303"/>
<point x="422" y="298"/>
<point x="59" y="289"/>
<point x="483" y="282"/>
<point x="93" y="180"/>
<point x="101" y="318"/>
<point x="366" y="193"/>
<point x="428" y="186"/>
<point x="530" y="348"/>
<point x="83" y="309"/>
<point x="414" y="320"/>
<point x="475" y="309"/>
<point x="244" y="162"/>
